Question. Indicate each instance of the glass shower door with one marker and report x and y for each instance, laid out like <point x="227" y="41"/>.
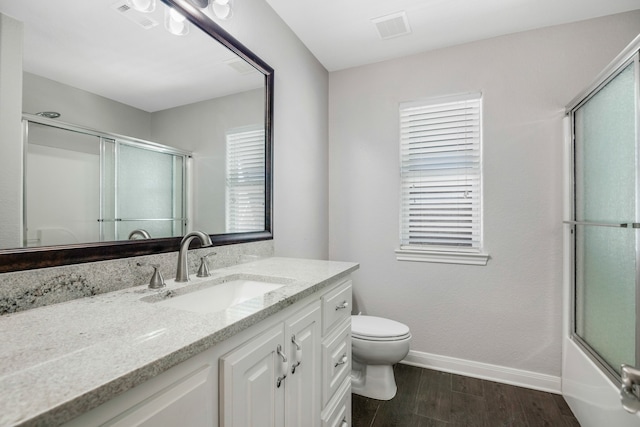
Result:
<point x="149" y="192"/>
<point x="606" y="221"/>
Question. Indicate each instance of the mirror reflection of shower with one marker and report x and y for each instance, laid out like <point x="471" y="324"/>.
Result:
<point x="113" y="187"/>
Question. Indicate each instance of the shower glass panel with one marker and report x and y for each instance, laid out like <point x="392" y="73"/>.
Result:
<point x="58" y="159"/>
<point x="149" y="190"/>
<point x="606" y="267"/>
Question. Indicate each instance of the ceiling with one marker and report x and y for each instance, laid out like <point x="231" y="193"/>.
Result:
<point x="341" y="35"/>
<point x="88" y="45"/>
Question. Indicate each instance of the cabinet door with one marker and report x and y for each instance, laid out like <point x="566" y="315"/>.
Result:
<point x="302" y="335"/>
<point x="249" y="393"/>
<point x="187" y="390"/>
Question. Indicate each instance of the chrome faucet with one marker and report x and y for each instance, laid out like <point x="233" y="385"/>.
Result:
<point x="182" y="274"/>
<point x="140" y="232"/>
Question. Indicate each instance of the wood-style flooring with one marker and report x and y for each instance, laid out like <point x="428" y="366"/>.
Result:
<point x="428" y="398"/>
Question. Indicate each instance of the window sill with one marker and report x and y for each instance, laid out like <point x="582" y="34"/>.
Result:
<point x="453" y="257"/>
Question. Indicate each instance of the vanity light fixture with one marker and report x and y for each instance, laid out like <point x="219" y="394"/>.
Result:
<point x="175" y="22"/>
<point x="220" y="8"/>
<point x="146" y="6"/>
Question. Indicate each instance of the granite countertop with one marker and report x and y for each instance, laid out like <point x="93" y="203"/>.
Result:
<point x="59" y="361"/>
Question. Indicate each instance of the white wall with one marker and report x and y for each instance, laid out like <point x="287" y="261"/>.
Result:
<point x="507" y="313"/>
<point x="300" y="129"/>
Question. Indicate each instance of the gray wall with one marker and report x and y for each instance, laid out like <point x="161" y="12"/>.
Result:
<point x="10" y="130"/>
<point x="83" y="108"/>
<point x="300" y="129"/>
<point x="201" y="128"/>
<point x="509" y="312"/>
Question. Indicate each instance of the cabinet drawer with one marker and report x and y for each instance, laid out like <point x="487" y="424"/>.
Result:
<point x="336" y="306"/>
<point x="338" y="412"/>
<point x="336" y="360"/>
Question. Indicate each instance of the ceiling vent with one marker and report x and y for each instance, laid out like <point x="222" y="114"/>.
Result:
<point x="240" y="65"/>
<point x="133" y="15"/>
<point x="394" y="25"/>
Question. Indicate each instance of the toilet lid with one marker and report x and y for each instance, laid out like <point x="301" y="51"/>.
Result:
<point x="377" y="328"/>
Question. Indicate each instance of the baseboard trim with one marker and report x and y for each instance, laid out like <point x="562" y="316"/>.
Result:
<point x="485" y="371"/>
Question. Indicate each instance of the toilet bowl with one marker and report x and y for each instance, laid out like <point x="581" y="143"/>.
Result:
<point x="376" y="345"/>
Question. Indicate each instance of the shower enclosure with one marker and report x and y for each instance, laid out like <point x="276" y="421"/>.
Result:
<point x="82" y="185"/>
<point x="603" y="246"/>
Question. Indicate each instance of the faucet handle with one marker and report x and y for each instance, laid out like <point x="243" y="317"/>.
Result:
<point x="203" y="271"/>
<point x="157" y="281"/>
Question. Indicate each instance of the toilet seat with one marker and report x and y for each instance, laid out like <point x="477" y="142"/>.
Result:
<point x="372" y="328"/>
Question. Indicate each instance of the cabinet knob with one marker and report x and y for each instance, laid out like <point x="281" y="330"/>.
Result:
<point x="344" y="422"/>
<point x="342" y="306"/>
<point x="342" y="360"/>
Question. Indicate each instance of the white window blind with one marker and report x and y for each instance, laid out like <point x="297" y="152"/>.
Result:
<point x="441" y="175"/>
<point x="245" y="204"/>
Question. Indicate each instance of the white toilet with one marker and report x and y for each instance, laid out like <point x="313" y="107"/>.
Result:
<point x="377" y="344"/>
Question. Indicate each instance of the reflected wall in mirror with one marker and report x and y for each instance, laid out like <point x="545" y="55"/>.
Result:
<point x="157" y="133"/>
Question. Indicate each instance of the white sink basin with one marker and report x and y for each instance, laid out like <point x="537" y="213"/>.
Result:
<point x="221" y="296"/>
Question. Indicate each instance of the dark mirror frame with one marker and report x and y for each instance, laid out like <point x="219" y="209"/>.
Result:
<point x="52" y="256"/>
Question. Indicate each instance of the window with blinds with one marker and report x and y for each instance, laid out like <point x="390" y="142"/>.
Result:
<point x="441" y="178"/>
<point x="245" y="181"/>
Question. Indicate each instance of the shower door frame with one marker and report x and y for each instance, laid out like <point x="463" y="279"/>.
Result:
<point x="589" y="384"/>
<point x="616" y="70"/>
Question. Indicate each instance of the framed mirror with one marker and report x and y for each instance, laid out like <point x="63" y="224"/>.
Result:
<point x="138" y="127"/>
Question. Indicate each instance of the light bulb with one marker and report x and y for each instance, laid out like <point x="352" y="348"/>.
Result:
<point x="146" y="6"/>
<point x="202" y="4"/>
<point x="175" y="22"/>
<point x="221" y="9"/>
<point x="175" y="15"/>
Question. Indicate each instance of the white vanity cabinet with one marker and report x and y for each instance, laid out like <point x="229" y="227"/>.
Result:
<point x="336" y="356"/>
<point x="268" y="381"/>
<point x="257" y="390"/>
<point x="245" y="381"/>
